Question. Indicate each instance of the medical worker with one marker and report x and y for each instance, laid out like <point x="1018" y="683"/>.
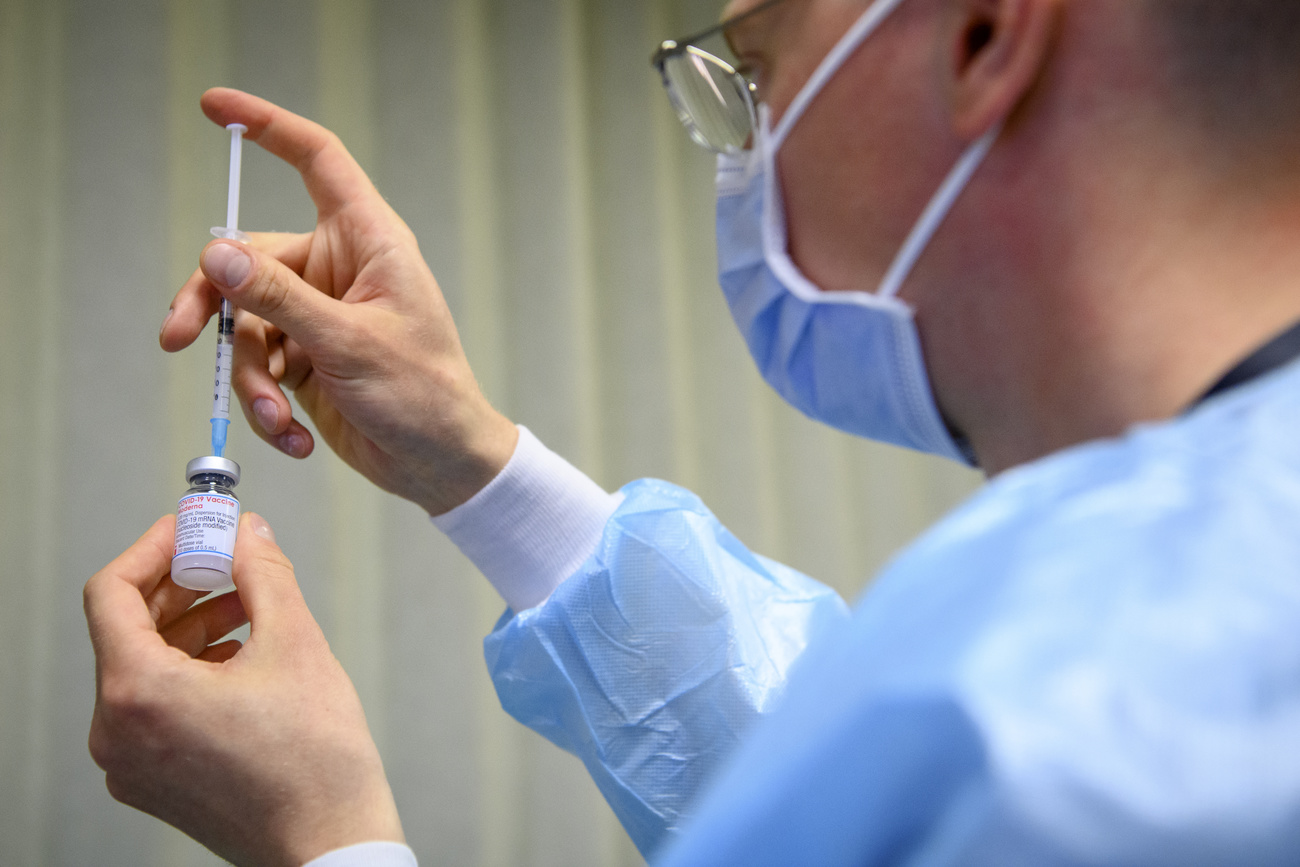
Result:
<point x="1056" y="238"/>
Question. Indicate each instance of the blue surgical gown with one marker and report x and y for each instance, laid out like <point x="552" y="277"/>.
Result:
<point x="1095" y="661"/>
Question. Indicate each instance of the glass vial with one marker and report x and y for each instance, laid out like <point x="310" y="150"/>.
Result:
<point x="207" y="519"/>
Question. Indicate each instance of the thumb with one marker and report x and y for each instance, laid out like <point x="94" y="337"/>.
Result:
<point x="266" y="287"/>
<point x="264" y="577"/>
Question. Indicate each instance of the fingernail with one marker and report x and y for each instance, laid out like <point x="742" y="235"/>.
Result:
<point x="295" y="444"/>
<point x="226" y="264"/>
<point x="268" y="414"/>
<point x="166" y="319"/>
<point x="260" y="527"/>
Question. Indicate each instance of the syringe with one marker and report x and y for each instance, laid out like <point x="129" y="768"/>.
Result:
<point x="226" y="317"/>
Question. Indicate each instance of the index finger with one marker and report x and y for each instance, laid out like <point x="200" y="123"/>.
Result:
<point x="333" y="178"/>
<point x="114" y="598"/>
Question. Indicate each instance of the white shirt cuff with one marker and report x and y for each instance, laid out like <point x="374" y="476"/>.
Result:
<point x="533" y="525"/>
<point x="376" y="854"/>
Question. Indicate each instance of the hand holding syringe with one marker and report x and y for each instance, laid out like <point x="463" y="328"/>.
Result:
<point x="349" y="319"/>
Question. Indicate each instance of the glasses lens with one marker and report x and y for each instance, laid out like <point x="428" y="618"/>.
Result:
<point x="711" y="99"/>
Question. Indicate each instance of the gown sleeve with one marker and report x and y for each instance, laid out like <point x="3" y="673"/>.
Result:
<point x="651" y="661"/>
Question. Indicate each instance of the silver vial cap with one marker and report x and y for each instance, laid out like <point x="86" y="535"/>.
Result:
<point x="212" y="464"/>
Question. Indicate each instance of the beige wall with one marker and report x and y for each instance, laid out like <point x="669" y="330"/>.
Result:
<point x="570" y="223"/>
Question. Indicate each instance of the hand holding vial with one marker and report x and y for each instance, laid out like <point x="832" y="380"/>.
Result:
<point x="278" y="762"/>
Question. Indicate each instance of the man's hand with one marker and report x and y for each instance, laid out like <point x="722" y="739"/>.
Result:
<point x="259" y="752"/>
<point x="350" y="319"/>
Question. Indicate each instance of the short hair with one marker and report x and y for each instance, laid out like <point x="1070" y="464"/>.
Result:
<point x="1236" y="61"/>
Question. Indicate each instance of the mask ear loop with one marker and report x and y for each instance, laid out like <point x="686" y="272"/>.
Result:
<point x="935" y="213"/>
<point x="942" y="202"/>
<point x="862" y="28"/>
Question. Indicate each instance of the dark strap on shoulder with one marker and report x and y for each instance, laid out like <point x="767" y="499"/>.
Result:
<point x="1269" y="357"/>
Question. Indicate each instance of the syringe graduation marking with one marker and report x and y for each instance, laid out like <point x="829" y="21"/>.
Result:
<point x="225" y="359"/>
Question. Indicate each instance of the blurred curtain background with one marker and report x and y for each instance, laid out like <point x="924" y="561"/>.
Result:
<point x="528" y="144"/>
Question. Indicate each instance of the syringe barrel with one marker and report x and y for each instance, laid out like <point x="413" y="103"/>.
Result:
<point x="225" y="361"/>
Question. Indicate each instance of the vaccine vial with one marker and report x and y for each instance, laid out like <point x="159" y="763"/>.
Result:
<point x="207" y="519"/>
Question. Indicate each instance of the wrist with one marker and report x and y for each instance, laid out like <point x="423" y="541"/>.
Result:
<point x="369" y="818"/>
<point x="533" y="525"/>
<point x="467" y="468"/>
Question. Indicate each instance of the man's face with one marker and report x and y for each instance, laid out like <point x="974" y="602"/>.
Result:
<point x="872" y="146"/>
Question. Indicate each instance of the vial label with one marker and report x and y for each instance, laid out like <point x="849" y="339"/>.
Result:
<point x="206" y="523"/>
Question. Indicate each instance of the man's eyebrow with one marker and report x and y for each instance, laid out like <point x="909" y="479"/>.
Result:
<point x="727" y="27"/>
<point x="731" y="45"/>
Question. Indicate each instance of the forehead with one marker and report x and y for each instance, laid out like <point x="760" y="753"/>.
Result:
<point x="789" y="25"/>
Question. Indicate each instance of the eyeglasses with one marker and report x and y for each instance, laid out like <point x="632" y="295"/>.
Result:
<point x="712" y="100"/>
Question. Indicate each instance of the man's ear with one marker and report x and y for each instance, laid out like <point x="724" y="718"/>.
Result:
<point x="998" y="50"/>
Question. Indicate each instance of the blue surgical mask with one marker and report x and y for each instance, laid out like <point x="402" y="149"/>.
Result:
<point x="850" y="359"/>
